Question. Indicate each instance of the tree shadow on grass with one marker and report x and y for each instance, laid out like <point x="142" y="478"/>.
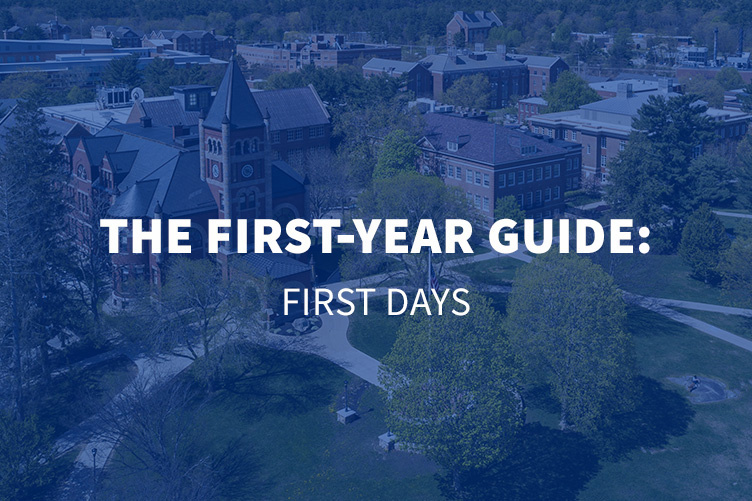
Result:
<point x="659" y="414"/>
<point x="545" y="464"/>
<point x="281" y="382"/>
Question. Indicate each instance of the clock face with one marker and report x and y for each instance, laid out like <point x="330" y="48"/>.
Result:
<point x="247" y="171"/>
<point x="215" y="170"/>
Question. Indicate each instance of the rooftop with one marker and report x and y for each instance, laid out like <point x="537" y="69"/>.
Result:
<point x="389" y="65"/>
<point x="466" y="62"/>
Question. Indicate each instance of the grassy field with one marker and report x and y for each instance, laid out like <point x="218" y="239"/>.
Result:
<point x="375" y="333"/>
<point x="497" y="271"/>
<point x="736" y="324"/>
<point x="285" y="420"/>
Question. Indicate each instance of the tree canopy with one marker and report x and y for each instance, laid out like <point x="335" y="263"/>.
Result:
<point x="470" y="91"/>
<point x="703" y="242"/>
<point x="399" y="153"/>
<point x="569" y="92"/>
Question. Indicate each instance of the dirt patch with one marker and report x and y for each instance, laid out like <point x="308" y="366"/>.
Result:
<point x="707" y="391"/>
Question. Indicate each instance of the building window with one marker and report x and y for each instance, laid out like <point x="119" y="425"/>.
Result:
<point x="557" y="169"/>
<point x="295" y="135"/>
<point x="603" y="142"/>
<point x="588" y="149"/>
<point x="520" y="200"/>
<point x="192" y="99"/>
<point x="550" y="133"/>
<point x="521" y="177"/>
<point x="275" y="136"/>
<point x="538" y="197"/>
<point x="477" y="201"/>
<point x="530" y="178"/>
<point x="316" y="131"/>
<point x="486" y="180"/>
<point x="603" y="160"/>
<point x="622" y="145"/>
<point x="477" y="178"/>
<point x="547" y="196"/>
<point x="557" y="192"/>
<point x="538" y="173"/>
<point x="486" y="204"/>
<point x="459" y="173"/>
<point x="469" y="176"/>
<point x="529" y="198"/>
<point x="574" y="135"/>
<point x="510" y="178"/>
<point x="566" y="135"/>
<point x="451" y="171"/>
<point x="548" y="172"/>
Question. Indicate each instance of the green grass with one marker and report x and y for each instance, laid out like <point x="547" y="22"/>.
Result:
<point x="375" y="333"/>
<point x="713" y="459"/>
<point x="497" y="271"/>
<point x="735" y="324"/>
<point x="285" y="418"/>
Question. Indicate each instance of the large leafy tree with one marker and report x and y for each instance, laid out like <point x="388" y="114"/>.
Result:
<point x="413" y="197"/>
<point x="735" y="268"/>
<point x="509" y="208"/>
<point x="452" y="387"/>
<point x="569" y="92"/>
<point x="729" y="78"/>
<point x="398" y="154"/>
<point x="653" y="180"/>
<point x="25" y="457"/>
<point x="742" y="173"/>
<point x="470" y="91"/>
<point x="621" y="51"/>
<point x="566" y="320"/>
<point x="703" y="242"/>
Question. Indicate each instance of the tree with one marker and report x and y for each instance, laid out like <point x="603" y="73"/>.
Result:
<point x="501" y="35"/>
<point x="413" y="197"/>
<point x="399" y="153"/>
<point x="159" y="76"/>
<point x="458" y="40"/>
<point x="589" y="51"/>
<point x="6" y="19"/>
<point x="621" y="51"/>
<point x="509" y="208"/>
<point x="735" y="269"/>
<point x="729" y="78"/>
<point x="32" y="254"/>
<point x="25" y="456"/>
<point x="708" y="89"/>
<point x="561" y="39"/>
<point x="452" y="387"/>
<point x="470" y="91"/>
<point x="33" y="32"/>
<point x="329" y="182"/>
<point x="566" y="321"/>
<point x="652" y="180"/>
<point x="123" y="71"/>
<point x="703" y="242"/>
<point x="79" y="95"/>
<point x="569" y="92"/>
<point x="742" y="172"/>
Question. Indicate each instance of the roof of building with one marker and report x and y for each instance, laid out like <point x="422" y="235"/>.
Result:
<point x="292" y="108"/>
<point x="479" y="19"/>
<point x="441" y="63"/>
<point x="276" y="266"/>
<point x="286" y="181"/>
<point x="536" y="61"/>
<point x="623" y="105"/>
<point x="167" y="112"/>
<point x="486" y="142"/>
<point x="58" y="128"/>
<point x="390" y="65"/>
<point x="534" y="100"/>
<point x="638" y="85"/>
<point x="233" y="102"/>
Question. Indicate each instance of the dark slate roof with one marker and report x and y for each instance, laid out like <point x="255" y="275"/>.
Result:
<point x="286" y="181"/>
<point x="292" y="108"/>
<point x="624" y="105"/>
<point x="276" y="266"/>
<point x="536" y="61"/>
<point x="234" y="102"/>
<point x="175" y="185"/>
<point x="168" y="112"/>
<point x="158" y="133"/>
<point x="480" y="19"/>
<point x="97" y="146"/>
<point x="389" y="65"/>
<point x="485" y="142"/>
<point x="121" y="163"/>
<point x="441" y="63"/>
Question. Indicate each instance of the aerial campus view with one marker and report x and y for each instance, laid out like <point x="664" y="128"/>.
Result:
<point x="382" y="251"/>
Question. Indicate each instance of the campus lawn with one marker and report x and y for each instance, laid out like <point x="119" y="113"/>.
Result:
<point x="286" y="419"/>
<point x="497" y="271"/>
<point x="735" y="324"/>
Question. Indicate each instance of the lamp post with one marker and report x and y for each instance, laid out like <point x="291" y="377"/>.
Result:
<point x="94" y="464"/>
<point x="346" y="408"/>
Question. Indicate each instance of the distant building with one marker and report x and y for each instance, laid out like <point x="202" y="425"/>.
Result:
<point x="529" y="107"/>
<point x="474" y="26"/>
<point x="487" y="161"/>
<point x="13" y="33"/>
<point x="603" y="127"/>
<point x="507" y="77"/>
<point x="610" y="88"/>
<point x="55" y="31"/>
<point x="25" y="51"/>
<point x="692" y="55"/>
<point x="121" y="36"/>
<point x="321" y="50"/>
<point x="196" y="41"/>
<point x="418" y="79"/>
<point x="542" y="71"/>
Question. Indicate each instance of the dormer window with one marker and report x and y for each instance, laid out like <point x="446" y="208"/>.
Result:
<point x="452" y="146"/>
<point x="81" y="171"/>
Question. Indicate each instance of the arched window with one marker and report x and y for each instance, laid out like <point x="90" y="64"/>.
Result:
<point x="81" y="171"/>
<point x="246" y="146"/>
<point x="238" y="148"/>
<point x="219" y="147"/>
<point x="254" y="145"/>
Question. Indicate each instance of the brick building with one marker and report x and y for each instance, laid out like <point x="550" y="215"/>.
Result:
<point x="196" y="41"/>
<point x="603" y="127"/>
<point x="321" y="50"/>
<point x="418" y="78"/>
<point x="530" y="107"/>
<point x="474" y="26"/>
<point x="507" y="77"/>
<point x="121" y="36"/>
<point x="542" y="71"/>
<point x="487" y="161"/>
<point x="222" y="168"/>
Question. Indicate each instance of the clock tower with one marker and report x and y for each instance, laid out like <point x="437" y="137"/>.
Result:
<point x="235" y="153"/>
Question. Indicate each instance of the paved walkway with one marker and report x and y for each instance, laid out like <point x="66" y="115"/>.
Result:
<point x="740" y="215"/>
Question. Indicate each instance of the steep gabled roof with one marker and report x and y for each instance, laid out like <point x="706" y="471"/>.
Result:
<point x="97" y="146"/>
<point x="233" y="102"/>
<point x="292" y="108"/>
<point x="276" y="266"/>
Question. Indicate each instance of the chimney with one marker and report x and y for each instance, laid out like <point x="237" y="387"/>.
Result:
<point x="715" y="47"/>
<point x="145" y="121"/>
<point x="179" y="130"/>
<point x="624" y="90"/>
<point x="502" y="51"/>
